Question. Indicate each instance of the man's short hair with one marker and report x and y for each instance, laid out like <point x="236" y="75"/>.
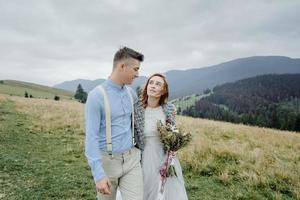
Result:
<point x="125" y="52"/>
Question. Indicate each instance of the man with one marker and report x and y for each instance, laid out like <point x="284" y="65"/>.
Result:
<point x="116" y="163"/>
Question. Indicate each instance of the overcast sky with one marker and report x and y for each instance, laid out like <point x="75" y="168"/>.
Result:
<point x="51" y="41"/>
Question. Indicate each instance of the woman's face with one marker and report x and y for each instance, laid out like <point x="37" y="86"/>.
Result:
<point x="156" y="87"/>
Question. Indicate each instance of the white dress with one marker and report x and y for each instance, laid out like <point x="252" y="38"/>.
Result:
<point x="153" y="158"/>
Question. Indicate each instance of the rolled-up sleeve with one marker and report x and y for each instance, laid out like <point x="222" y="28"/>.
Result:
<point x="92" y="139"/>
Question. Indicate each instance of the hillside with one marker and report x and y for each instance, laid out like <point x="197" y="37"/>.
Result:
<point x="42" y="156"/>
<point x="267" y="100"/>
<point x="194" y="81"/>
<point x="183" y="103"/>
<point x="87" y="85"/>
<point x="18" y="88"/>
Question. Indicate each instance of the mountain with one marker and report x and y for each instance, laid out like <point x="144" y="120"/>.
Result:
<point x="18" y="88"/>
<point x="87" y="85"/>
<point x="194" y="81"/>
<point x="266" y="100"/>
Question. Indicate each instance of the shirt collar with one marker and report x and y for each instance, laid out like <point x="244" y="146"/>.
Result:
<point x="112" y="84"/>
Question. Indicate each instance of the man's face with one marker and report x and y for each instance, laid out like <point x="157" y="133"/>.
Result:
<point x="131" y="70"/>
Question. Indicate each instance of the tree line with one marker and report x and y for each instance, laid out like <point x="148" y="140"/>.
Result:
<point x="268" y="101"/>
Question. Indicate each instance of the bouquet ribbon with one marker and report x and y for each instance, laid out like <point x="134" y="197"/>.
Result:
<point x="165" y="169"/>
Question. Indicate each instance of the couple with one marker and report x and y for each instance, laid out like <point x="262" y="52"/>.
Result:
<point x="122" y="145"/>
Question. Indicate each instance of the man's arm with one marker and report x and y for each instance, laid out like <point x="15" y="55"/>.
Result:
<point x="92" y="139"/>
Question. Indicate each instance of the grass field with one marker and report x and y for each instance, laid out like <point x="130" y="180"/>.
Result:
<point x="241" y="162"/>
<point x="18" y="88"/>
<point x="42" y="142"/>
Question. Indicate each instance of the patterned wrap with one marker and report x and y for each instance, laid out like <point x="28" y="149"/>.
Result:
<point x="139" y="124"/>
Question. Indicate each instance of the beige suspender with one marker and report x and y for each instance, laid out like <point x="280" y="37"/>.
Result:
<point x="108" y="118"/>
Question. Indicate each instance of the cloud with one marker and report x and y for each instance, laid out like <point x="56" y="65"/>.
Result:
<point x="49" y="42"/>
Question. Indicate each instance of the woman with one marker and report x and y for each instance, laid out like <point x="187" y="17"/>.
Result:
<point x="152" y="107"/>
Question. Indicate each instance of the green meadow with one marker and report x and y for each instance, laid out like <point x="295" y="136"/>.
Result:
<point x="18" y="88"/>
<point x="183" y="103"/>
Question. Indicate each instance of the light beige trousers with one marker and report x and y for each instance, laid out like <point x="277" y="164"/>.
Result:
<point x="124" y="171"/>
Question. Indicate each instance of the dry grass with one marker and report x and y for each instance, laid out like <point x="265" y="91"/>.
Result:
<point x="49" y="115"/>
<point x="255" y="158"/>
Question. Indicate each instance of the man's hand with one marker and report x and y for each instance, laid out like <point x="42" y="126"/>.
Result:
<point x="103" y="186"/>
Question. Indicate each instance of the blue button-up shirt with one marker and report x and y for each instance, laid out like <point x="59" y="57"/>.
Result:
<point x="95" y="141"/>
